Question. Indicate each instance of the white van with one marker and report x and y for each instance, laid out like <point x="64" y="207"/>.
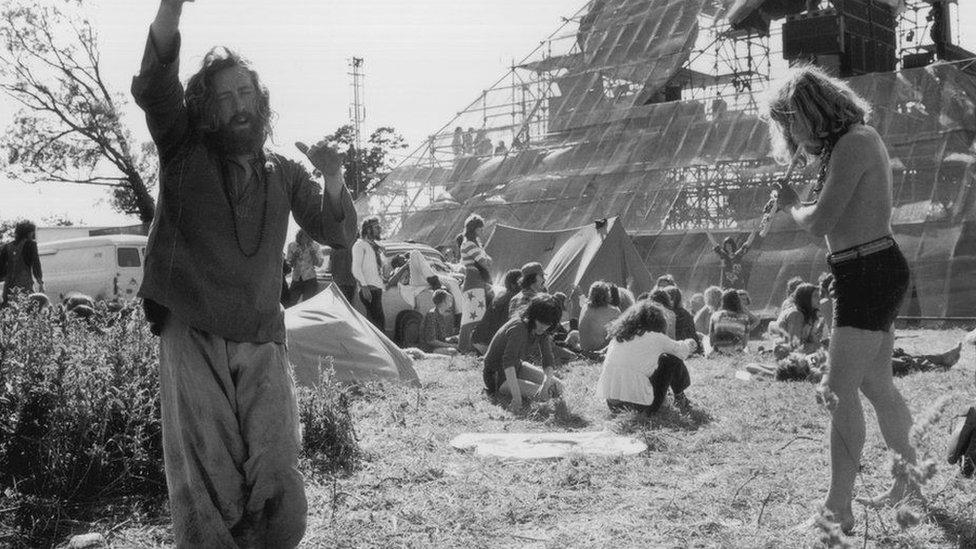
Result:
<point x="103" y="267"/>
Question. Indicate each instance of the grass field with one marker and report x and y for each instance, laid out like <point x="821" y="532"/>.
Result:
<point x="744" y="468"/>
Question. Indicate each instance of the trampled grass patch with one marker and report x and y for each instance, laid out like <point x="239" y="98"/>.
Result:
<point x="746" y="467"/>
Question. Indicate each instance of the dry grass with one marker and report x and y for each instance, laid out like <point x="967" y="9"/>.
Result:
<point x="743" y="469"/>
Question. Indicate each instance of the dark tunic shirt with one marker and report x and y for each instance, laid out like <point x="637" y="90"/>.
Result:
<point x="214" y="252"/>
<point x="513" y="344"/>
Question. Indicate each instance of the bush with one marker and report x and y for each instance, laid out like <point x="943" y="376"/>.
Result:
<point x="328" y="435"/>
<point x="79" y="404"/>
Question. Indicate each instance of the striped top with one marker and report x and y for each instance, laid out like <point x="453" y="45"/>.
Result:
<point x="473" y="254"/>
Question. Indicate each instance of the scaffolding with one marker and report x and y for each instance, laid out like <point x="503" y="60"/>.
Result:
<point x="606" y="58"/>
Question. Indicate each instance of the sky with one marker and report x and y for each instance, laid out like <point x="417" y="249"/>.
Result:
<point x="425" y="60"/>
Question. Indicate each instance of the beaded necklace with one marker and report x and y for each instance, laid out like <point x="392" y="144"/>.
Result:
<point x="264" y="212"/>
<point x="825" y="154"/>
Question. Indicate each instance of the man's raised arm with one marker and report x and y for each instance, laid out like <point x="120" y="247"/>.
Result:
<point x="157" y="89"/>
<point x="166" y="26"/>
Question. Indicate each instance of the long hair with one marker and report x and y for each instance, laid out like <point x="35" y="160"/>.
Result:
<point x="675" y="294"/>
<point x="512" y="279"/>
<point x="713" y="297"/>
<point x="801" y="300"/>
<point x="545" y="309"/>
<point x="599" y="294"/>
<point x="23" y="229"/>
<point x="662" y="298"/>
<point x="826" y="105"/>
<point x="731" y="301"/>
<point x="471" y="224"/>
<point x="645" y="316"/>
<point x="371" y="220"/>
<point x="201" y="98"/>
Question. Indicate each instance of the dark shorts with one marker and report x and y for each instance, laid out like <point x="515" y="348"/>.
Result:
<point x="868" y="289"/>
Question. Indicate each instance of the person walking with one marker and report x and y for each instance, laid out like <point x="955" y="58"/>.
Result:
<point x="20" y="264"/>
<point x="211" y="290"/>
<point x="823" y="119"/>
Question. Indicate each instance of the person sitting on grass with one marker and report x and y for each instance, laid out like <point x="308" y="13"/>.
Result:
<point x="713" y="302"/>
<point x="661" y="297"/>
<point x="798" y="325"/>
<point x="695" y="304"/>
<point x="791" y="286"/>
<point x="634" y="378"/>
<point x="729" y="327"/>
<point x="439" y="335"/>
<point x="621" y="297"/>
<point x="684" y="323"/>
<point x="497" y="313"/>
<point x="505" y="370"/>
<point x="595" y="317"/>
<point x="746" y="301"/>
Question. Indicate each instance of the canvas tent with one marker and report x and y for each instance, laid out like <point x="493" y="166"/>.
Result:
<point x="572" y="257"/>
<point x="328" y="327"/>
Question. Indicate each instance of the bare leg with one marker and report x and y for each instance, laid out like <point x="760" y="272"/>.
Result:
<point x="852" y="353"/>
<point x="894" y="418"/>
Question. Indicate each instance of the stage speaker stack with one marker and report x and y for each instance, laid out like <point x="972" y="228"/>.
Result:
<point x="851" y="38"/>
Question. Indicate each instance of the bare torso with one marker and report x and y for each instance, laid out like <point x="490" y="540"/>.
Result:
<point x="855" y="204"/>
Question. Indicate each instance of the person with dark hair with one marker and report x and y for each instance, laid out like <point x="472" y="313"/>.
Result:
<point x="506" y="371"/>
<point x="595" y="317"/>
<point x="684" y="323"/>
<point x="662" y="298"/>
<point x="791" y="286"/>
<point x="304" y="255"/>
<point x="367" y="269"/>
<point x="634" y="378"/>
<point x="498" y="312"/>
<point x="729" y="327"/>
<point x="799" y="325"/>
<point x="20" y="264"/>
<point x="438" y="327"/>
<point x="211" y="289"/>
<point x="533" y="282"/>
<point x="731" y="254"/>
<point x="477" y="280"/>
<point x="621" y="297"/>
<point x="814" y="116"/>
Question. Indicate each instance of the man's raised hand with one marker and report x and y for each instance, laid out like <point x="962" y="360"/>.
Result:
<point x="323" y="157"/>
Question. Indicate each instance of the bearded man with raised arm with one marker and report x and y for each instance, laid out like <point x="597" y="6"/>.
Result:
<point x="212" y="286"/>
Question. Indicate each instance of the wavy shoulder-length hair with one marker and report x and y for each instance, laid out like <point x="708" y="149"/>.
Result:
<point x="827" y="106"/>
<point x="645" y="316"/>
<point x="201" y="98"/>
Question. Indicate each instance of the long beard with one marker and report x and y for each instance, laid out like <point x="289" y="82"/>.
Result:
<point x="232" y="141"/>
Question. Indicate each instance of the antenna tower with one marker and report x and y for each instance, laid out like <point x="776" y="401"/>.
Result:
<point x="357" y="114"/>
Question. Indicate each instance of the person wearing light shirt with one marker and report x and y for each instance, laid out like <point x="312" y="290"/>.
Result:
<point x="367" y="264"/>
<point x="633" y="377"/>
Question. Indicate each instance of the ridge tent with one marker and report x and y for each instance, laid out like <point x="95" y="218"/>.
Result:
<point x="328" y="326"/>
<point x="573" y="257"/>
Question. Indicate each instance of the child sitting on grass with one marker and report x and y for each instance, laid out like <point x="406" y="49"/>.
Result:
<point x="633" y="377"/>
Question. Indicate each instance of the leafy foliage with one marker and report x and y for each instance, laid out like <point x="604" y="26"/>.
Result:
<point x="366" y="167"/>
<point x="69" y="129"/>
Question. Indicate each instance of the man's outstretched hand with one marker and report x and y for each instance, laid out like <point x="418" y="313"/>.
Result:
<point x="323" y="157"/>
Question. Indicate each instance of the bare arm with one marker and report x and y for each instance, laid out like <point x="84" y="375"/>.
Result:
<point x="847" y="167"/>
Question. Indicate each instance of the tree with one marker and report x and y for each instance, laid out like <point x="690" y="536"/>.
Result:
<point x="366" y="167"/>
<point x="69" y="128"/>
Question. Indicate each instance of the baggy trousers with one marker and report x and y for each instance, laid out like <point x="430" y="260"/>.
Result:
<point x="230" y="441"/>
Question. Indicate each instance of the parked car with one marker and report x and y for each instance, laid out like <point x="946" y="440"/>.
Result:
<point x="103" y="267"/>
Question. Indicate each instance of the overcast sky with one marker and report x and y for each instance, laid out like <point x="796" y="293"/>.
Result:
<point x="425" y="60"/>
